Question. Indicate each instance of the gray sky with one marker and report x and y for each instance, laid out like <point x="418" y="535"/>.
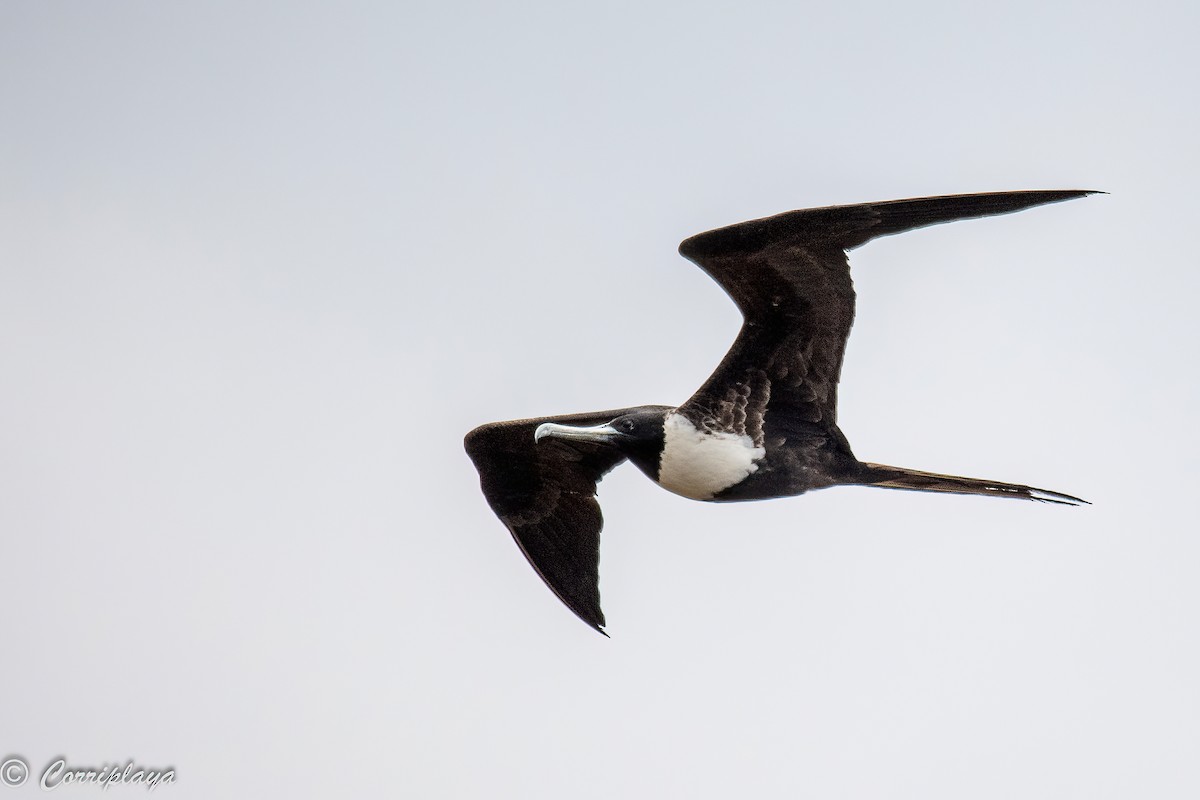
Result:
<point x="263" y="265"/>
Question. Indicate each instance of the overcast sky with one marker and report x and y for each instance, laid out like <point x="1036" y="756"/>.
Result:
<point x="262" y="265"/>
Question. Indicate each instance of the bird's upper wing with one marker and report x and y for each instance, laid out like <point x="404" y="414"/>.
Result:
<point x="789" y="276"/>
<point x="545" y="493"/>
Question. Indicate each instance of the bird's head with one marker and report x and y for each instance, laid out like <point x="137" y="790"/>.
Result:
<point x="637" y="433"/>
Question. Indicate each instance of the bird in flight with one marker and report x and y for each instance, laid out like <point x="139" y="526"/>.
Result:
<point x="763" y="425"/>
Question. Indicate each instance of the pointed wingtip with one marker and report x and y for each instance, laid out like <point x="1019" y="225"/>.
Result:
<point x="592" y="617"/>
<point x="596" y="623"/>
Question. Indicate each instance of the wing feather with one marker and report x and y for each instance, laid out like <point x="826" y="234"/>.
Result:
<point x="789" y="276"/>
<point x="545" y="494"/>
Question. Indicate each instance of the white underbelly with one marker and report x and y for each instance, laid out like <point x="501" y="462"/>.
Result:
<point x="698" y="464"/>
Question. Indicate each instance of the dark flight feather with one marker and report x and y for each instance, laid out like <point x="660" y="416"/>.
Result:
<point x="789" y="276"/>
<point x="916" y="480"/>
<point x="545" y="494"/>
<point x="777" y="385"/>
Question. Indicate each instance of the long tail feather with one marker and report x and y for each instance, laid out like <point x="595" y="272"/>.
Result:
<point x="901" y="478"/>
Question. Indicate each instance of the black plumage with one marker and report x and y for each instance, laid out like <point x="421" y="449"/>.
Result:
<point x="763" y="425"/>
<point x="545" y="493"/>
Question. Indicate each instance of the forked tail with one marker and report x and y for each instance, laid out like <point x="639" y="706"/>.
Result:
<point x="900" y="478"/>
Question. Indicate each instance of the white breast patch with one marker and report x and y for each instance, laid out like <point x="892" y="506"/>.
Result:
<point x="698" y="464"/>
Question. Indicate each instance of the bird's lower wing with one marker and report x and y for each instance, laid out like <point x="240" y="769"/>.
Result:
<point x="545" y="494"/>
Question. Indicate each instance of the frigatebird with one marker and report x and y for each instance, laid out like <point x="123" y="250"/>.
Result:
<point x="764" y="425"/>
